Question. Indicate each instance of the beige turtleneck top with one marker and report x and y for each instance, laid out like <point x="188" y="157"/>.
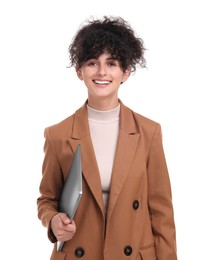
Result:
<point x="104" y="128"/>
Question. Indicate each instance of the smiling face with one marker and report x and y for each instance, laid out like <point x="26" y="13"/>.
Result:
<point x="102" y="77"/>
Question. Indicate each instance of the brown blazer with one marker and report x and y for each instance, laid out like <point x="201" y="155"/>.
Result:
<point x="140" y="222"/>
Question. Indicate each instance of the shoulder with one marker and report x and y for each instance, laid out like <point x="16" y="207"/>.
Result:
<point x="60" y="128"/>
<point x="148" y="129"/>
<point x="64" y="127"/>
<point x="142" y="123"/>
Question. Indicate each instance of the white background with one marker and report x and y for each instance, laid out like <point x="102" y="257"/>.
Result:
<point x="37" y="90"/>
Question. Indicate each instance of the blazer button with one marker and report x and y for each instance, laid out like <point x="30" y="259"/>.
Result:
<point x="128" y="250"/>
<point x="79" y="252"/>
<point x="135" y="204"/>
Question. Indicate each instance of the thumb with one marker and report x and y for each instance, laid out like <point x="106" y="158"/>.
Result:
<point x="65" y="218"/>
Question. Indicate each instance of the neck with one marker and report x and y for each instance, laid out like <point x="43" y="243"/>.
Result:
<point x="103" y="104"/>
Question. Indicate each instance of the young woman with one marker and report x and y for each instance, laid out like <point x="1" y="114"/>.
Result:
<point x="126" y="210"/>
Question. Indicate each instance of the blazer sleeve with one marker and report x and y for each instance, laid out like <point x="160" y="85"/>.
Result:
<point x="50" y="185"/>
<point x="160" y="200"/>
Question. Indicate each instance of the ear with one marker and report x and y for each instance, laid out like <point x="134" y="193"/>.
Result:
<point x="79" y="74"/>
<point x="126" y="74"/>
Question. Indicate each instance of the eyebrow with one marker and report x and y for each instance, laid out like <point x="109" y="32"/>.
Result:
<point x="108" y="59"/>
<point x="112" y="59"/>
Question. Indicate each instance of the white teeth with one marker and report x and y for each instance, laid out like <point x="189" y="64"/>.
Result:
<point x="101" y="82"/>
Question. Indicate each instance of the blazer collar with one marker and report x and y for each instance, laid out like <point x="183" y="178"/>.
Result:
<point x="81" y="127"/>
<point x="126" y="147"/>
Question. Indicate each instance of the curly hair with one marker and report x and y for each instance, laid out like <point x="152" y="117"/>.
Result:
<point x="111" y="34"/>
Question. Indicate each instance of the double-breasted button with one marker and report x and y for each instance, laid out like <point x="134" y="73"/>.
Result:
<point x="128" y="250"/>
<point x="135" y="204"/>
<point x="79" y="252"/>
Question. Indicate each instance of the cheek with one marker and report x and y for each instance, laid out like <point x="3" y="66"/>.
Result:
<point x="88" y="73"/>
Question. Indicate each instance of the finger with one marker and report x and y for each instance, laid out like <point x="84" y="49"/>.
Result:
<point x="70" y="228"/>
<point x="67" y="236"/>
<point x="65" y="218"/>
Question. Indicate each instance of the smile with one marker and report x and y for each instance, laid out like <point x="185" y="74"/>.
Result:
<point x="102" y="82"/>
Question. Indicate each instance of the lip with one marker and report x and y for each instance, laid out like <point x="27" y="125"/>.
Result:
<point x="102" y="83"/>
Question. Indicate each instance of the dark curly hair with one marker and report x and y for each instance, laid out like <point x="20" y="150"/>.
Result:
<point x="111" y="34"/>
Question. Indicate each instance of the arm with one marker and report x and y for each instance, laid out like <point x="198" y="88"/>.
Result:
<point x="160" y="201"/>
<point x="58" y="224"/>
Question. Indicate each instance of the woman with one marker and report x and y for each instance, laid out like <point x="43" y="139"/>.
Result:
<point x="126" y="209"/>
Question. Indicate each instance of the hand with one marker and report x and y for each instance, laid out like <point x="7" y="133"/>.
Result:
<point x="62" y="227"/>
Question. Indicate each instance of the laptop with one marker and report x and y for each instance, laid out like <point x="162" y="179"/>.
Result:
<point x="72" y="190"/>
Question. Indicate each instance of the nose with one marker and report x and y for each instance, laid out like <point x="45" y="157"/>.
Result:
<point x="101" y="71"/>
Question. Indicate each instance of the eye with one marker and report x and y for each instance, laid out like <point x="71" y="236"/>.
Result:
<point x="91" y="63"/>
<point x="112" y="64"/>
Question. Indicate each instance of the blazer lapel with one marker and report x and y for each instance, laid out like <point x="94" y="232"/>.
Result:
<point x="81" y="135"/>
<point x="126" y="148"/>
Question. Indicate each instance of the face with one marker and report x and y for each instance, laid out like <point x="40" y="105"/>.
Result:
<point x="102" y="77"/>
